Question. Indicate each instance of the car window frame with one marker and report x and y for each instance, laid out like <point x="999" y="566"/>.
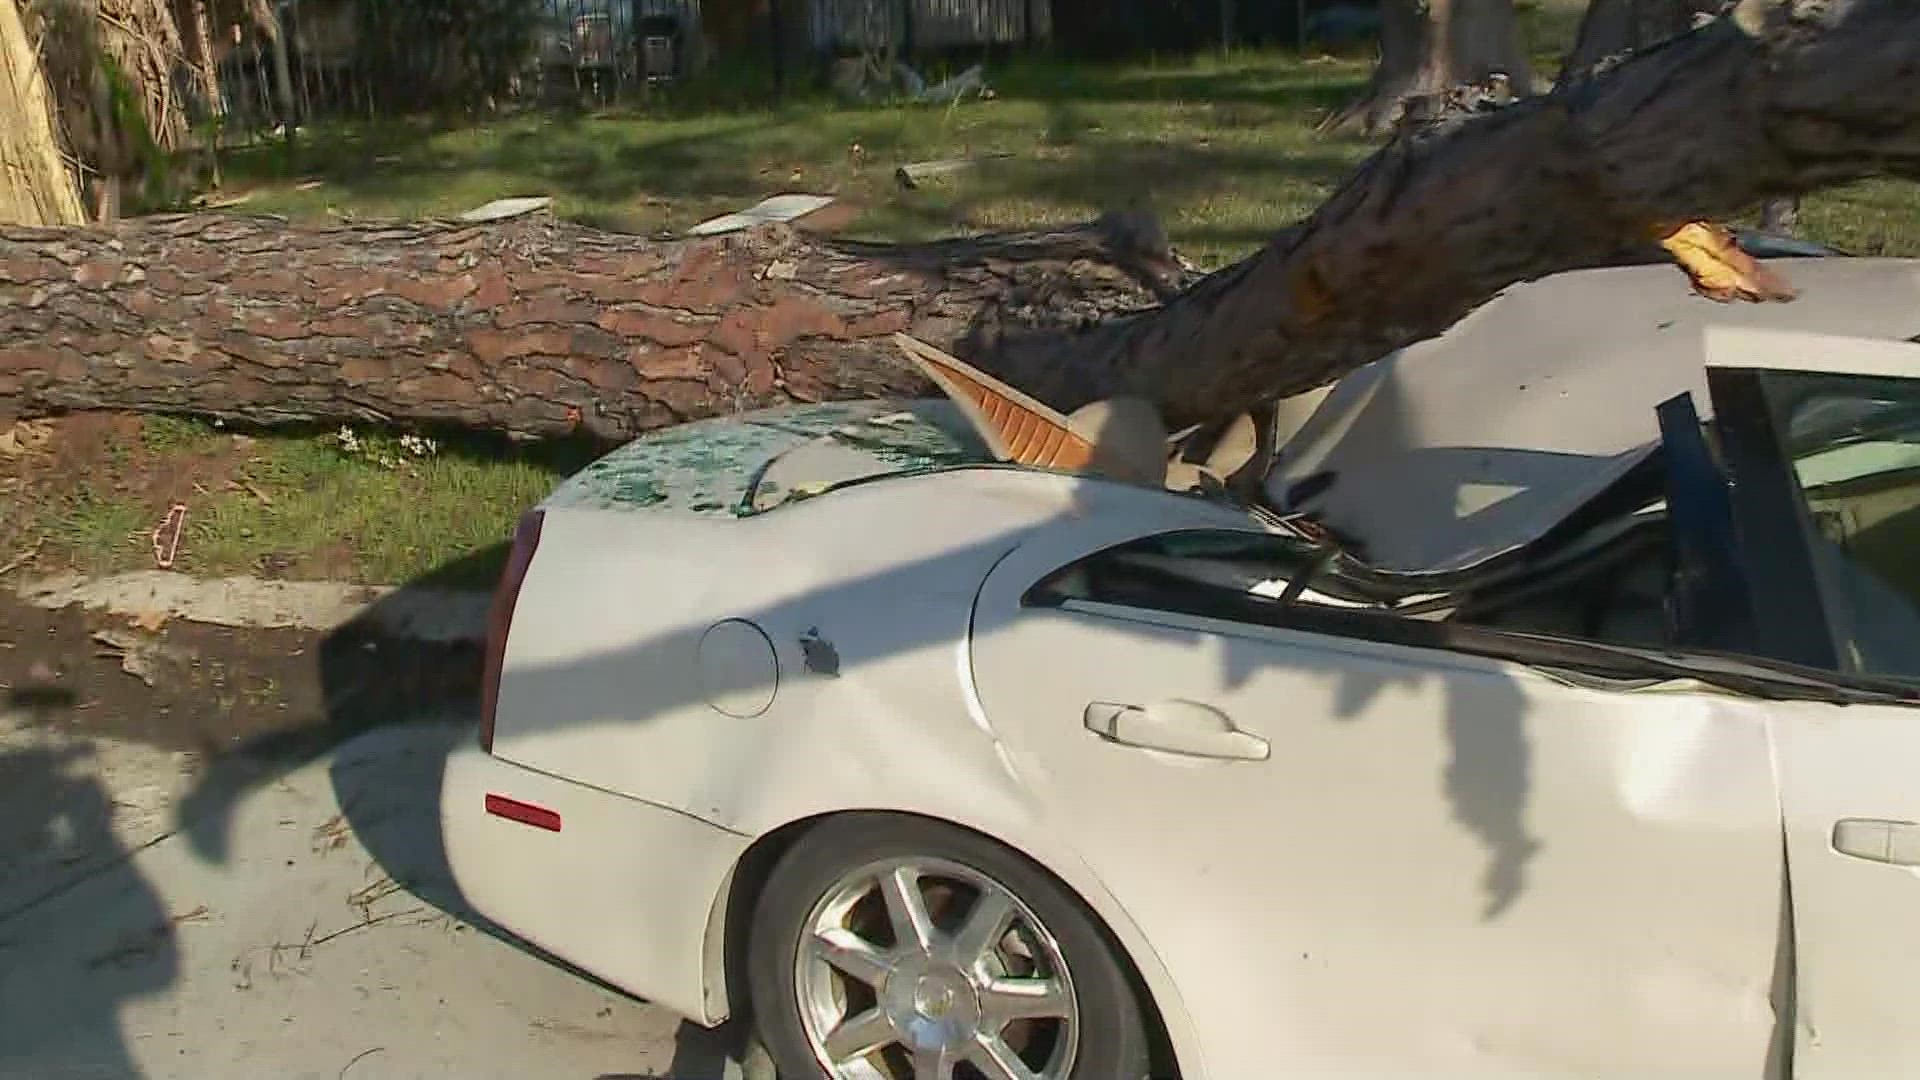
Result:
<point x="1802" y="610"/>
<point x="1575" y="659"/>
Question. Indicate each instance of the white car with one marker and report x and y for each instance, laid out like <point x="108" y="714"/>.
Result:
<point x="1562" y="721"/>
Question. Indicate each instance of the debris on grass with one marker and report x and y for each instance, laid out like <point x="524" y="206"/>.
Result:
<point x="778" y="208"/>
<point x="947" y="91"/>
<point x="164" y="550"/>
<point x="31" y="552"/>
<point x="910" y="175"/>
<point x="502" y="209"/>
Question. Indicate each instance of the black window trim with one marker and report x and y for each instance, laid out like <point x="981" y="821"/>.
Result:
<point x="1792" y="619"/>
<point x="1755" y="676"/>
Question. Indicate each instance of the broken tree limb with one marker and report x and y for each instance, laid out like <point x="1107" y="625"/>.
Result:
<point x="536" y="327"/>
<point x="1774" y="99"/>
<point x="911" y="174"/>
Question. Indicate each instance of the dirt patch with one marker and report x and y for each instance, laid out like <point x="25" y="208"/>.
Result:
<point x="103" y="479"/>
<point x="215" y="691"/>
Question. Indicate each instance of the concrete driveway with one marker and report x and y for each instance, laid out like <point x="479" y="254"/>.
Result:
<point x="268" y="923"/>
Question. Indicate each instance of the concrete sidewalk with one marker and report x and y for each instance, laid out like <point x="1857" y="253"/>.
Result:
<point x="279" y="925"/>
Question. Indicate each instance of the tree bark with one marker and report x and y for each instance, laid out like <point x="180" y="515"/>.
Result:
<point x="1429" y="46"/>
<point x="1614" y="27"/>
<point x="534" y="326"/>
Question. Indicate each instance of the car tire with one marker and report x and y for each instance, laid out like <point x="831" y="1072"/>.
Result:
<point x="1112" y="1041"/>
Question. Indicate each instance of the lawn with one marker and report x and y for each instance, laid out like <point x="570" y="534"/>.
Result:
<point x="1222" y="148"/>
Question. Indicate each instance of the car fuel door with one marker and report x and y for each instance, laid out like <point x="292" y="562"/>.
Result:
<point x="1358" y="856"/>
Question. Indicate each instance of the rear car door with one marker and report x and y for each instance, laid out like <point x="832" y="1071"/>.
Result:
<point x="1354" y="855"/>
<point x="1821" y="440"/>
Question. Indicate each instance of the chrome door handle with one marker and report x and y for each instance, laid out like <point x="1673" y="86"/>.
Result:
<point x="1176" y="727"/>
<point x="1878" y="840"/>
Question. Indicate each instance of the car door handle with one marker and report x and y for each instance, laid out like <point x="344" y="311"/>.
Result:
<point x="1177" y="727"/>
<point x="1878" y="840"/>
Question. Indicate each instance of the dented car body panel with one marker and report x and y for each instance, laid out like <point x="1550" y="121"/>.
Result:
<point x="1337" y="824"/>
<point x="1463" y="447"/>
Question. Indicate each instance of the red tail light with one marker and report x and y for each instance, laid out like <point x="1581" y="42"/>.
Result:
<point x="526" y="537"/>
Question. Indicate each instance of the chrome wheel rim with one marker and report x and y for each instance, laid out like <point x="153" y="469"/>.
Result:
<point x="923" y="969"/>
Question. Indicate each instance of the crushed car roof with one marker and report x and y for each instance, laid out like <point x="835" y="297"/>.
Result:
<point x="1467" y="446"/>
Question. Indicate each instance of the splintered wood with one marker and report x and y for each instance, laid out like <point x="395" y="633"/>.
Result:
<point x="36" y="187"/>
<point x="1015" y="426"/>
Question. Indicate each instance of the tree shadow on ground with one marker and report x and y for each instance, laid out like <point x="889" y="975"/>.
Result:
<point x="74" y="953"/>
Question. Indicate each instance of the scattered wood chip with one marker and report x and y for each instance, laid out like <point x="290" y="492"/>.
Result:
<point x="910" y="175"/>
<point x="136" y="656"/>
<point x="308" y="185"/>
<point x="788" y="208"/>
<point x="370" y="895"/>
<point x="25" y="436"/>
<point x="32" y="551"/>
<point x="166" y="537"/>
<point x="331" y="834"/>
<point x="501" y="209"/>
<point x="152" y="621"/>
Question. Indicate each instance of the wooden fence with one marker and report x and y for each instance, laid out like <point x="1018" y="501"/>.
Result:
<point x="912" y="25"/>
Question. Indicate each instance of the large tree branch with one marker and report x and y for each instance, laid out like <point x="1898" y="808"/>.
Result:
<point x="1779" y="99"/>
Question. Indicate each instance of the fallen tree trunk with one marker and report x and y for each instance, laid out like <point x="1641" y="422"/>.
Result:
<point x="535" y="326"/>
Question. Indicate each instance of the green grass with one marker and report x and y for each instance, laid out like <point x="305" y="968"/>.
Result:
<point x="304" y="505"/>
<point x="1222" y="148"/>
<point x="383" y="513"/>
